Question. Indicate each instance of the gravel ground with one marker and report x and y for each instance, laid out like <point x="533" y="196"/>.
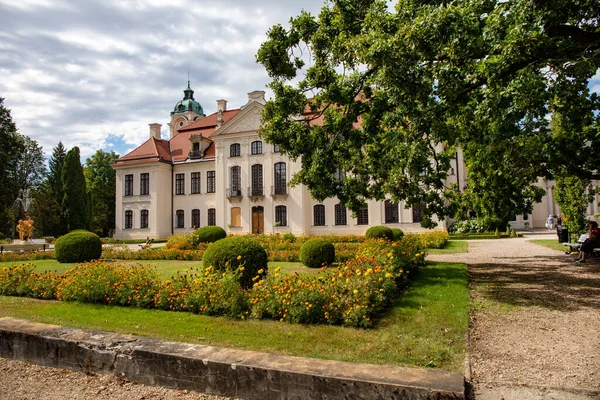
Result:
<point x="535" y="321"/>
<point x="26" y="381"/>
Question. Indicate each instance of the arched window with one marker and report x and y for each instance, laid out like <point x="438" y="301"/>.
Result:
<point x="256" y="147"/>
<point x="340" y="214"/>
<point x="391" y="212"/>
<point x="179" y="219"/>
<point x="144" y="219"/>
<point x="280" y="186"/>
<point x="212" y="217"/>
<point x="319" y="215"/>
<point x="363" y="216"/>
<point x="234" y="150"/>
<point x="195" y="218"/>
<point x="236" y="217"/>
<point x="281" y="215"/>
<point x="257" y="180"/>
<point x="128" y="219"/>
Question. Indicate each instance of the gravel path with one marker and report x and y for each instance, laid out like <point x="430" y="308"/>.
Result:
<point x="26" y="381"/>
<point x="535" y="321"/>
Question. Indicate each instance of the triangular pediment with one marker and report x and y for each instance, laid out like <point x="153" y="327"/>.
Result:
<point x="247" y="120"/>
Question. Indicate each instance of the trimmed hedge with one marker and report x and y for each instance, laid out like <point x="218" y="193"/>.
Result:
<point x="78" y="246"/>
<point x="379" y="232"/>
<point x="209" y="234"/>
<point x="317" y="252"/>
<point x="234" y="252"/>
<point x="397" y="233"/>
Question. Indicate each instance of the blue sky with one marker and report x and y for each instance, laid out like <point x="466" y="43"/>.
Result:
<point x="95" y="73"/>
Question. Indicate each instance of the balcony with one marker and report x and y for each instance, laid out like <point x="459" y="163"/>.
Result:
<point x="234" y="192"/>
<point x="279" y="190"/>
<point x="256" y="191"/>
<point x="195" y="154"/>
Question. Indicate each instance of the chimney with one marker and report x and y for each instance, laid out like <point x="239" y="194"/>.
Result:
<point x="155" y="130"/>
<point x="221" y="105"/>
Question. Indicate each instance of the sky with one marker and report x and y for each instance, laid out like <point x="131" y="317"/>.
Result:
<point x="94" y="74"/>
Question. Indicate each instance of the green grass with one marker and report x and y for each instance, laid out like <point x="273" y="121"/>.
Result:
<point x="425" y="327"/>
<point x="166" y="268"/>
<point x="453" y="246"/>
<point x="550" y="243"/>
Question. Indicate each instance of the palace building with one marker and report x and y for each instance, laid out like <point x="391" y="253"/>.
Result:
<point x="215" y="170"/>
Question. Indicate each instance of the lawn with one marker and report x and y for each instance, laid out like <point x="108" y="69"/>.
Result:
<point x="551" y="243"/>
<point x="453" y="246"/>
<point x="425" y="327"/>
<point x="166" y="268"/>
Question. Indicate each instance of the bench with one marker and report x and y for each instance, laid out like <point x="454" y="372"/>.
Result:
<point x="147" y="244"/>
<point x="575" y="246"/>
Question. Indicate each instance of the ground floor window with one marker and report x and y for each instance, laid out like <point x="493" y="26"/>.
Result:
<point x="212" y="217"/>
<point x="319" y="215"/>
<point x="281" y="216"/>
<point x="340" y="214"/>
<point x="179" y="219"/>
<point x="128" y="219"/>
<point x="144" y="219"/>
<point x="363" y="216"/>
<point x="195" y="218"/>
<point x="391" y="212"/>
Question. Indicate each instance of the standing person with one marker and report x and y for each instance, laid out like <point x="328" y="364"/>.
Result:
<point x="559" y="220"/>
<point x="550" y="222"/>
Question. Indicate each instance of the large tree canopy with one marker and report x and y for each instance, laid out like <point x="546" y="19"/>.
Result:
<point x="388" y="96"/>
<point x="101" y="183"/>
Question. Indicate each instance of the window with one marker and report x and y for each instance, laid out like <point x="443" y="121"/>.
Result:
<point x="179" y="183"/>
<point x="236" y="217"/>
<point x="212" y="217"/>
<point x="236" y="180"/>
<point x="319" y="215"/>
<point x="280" y="178"/>
<point x="234" y="150"/>
<point x="281" y="216"/>
<point x="391" y="212"/>
<point x="129" y="219"/>
<point x="179" y="219"/>
<point x="257" y="180"/>
<point x="256" y="147"/>
<point x="275" y="148"/>
<point x="340" y="214"/>
<point x="210" y="182"/>
<point x="363" y="216"/>
<point x="340" y="175"/>
<point x="195" y="182"/>
<point x="195" y="218"/>
<point x="128" y="185"/>
<point x="144" y="184"/>
<point x="144" y="219"/>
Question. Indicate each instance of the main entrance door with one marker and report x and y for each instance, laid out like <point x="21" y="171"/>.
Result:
<point x="258" y="220"/>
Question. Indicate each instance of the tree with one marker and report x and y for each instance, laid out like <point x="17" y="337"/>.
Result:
<point x="12" y="145"/>
<point x="74" y="206"/>
<point x="55" y="185"/>
<point x="387" y="97"/>
<point x="573" y="194"/>
<point x="101" y="183"/>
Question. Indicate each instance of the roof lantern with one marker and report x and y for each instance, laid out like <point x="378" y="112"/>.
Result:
<point x="188" y="103"/>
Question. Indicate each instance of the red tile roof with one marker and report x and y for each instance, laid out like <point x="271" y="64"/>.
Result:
<point x="151" y="150"/>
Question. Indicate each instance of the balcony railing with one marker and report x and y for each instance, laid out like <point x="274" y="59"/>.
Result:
<point x="279" y="190"/>
<point x="234" y="192"/>
<point x="256" y="191"/>
<point x="195" y="154"/>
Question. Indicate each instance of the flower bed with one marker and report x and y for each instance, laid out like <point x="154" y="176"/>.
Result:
<point x="353" y="294"/>
<point x="26" y="256"/>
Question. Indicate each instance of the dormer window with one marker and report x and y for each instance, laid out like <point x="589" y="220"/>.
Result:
<point x="198" y="146"/>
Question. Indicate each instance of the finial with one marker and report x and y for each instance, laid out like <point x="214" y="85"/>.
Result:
<point x="188" y="78"/>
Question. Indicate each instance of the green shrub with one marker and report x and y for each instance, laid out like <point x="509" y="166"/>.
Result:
<point x="397" y="233"/>
<point x="181" y="242"/>
<point x="376" y="232"/>
<point x="234" y="252"/>
<point x="317" y="252"/>
<point x="290" y="237"/>
<point x="78" y="246"/>
<point x="2" y="237"/>
<point x="209" y="234"/>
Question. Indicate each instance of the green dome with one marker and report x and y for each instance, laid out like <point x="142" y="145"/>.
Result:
<point x="188" y="103"/>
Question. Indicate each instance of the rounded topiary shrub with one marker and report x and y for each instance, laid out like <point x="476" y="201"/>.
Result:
<point x="78" y="246"/>
<point x="234" y="252"/>
<point x="398" y="234"/>
<point x="209" y="234"/>
<point x="379" y="232"/>
<point x="315" y="253"/>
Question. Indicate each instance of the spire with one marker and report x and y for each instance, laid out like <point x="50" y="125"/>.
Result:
<point x="189" y="93"/>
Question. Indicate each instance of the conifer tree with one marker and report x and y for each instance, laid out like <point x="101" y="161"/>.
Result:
<point x="74" y="203"/>
<point x="55" y="184"/>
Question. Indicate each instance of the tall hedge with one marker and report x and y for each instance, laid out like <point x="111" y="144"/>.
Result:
<point x="75" y="209"/>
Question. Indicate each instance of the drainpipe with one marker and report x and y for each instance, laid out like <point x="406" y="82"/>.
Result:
<point x="457" y="175"/>
<point x="172" y="181"/>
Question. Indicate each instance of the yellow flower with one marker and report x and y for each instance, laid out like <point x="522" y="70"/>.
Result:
<point x="242" y="268"/>
<point x="239" y="258"/>
<point x="260" y="271"/>
<point x="355" y="291"/>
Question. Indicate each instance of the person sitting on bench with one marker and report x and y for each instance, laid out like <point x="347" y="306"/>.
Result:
<point x="591" y="243"/>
